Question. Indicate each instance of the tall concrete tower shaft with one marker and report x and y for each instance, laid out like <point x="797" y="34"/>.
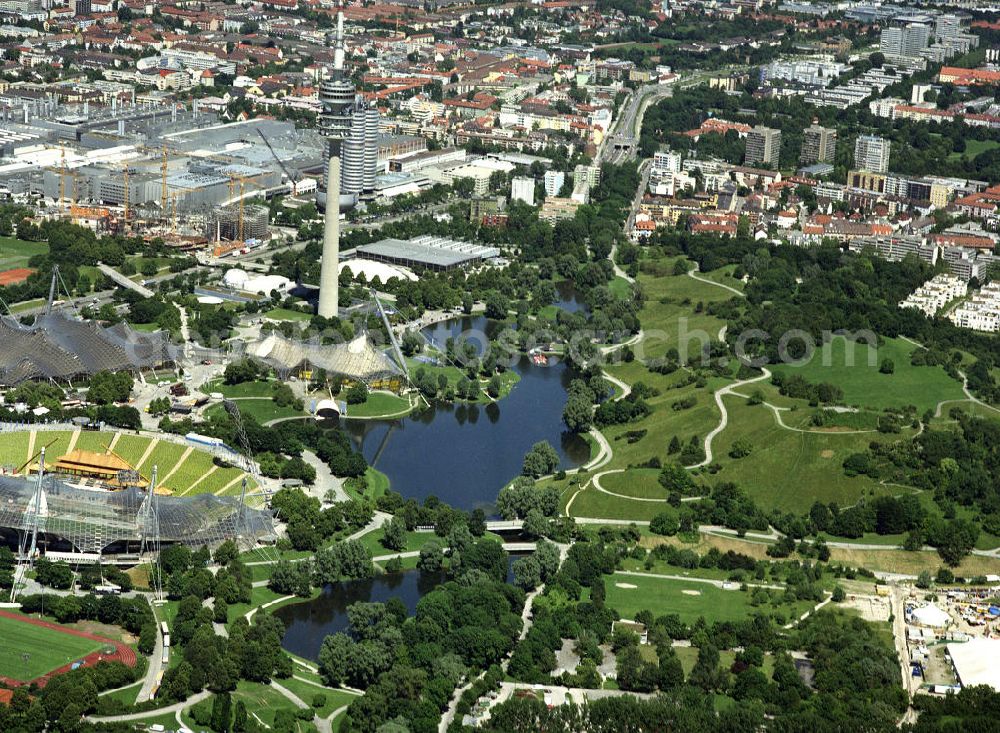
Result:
<point x="329" y="277"/>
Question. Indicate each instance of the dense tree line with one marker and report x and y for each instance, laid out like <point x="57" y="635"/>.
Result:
<point x="410" y="666"/>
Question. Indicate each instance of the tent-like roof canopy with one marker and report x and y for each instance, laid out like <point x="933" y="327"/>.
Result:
<point x="357" y="359"/>
<point x="56" y="346"/>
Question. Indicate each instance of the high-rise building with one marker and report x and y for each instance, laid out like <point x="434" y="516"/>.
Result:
<point x="947" y="27"/>
<point x="523" y="189"/>
<point x="763" y="146"/>
<point x="819" y="144"/>
<point x="351" y="126"/>
<point x="554" y="181"/>
<point x="907" y="41"/>
<point x="871" y="153"/>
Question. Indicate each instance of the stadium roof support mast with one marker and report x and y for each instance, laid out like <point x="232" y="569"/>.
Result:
<point x="150" y="517"/>
<point x="52" y="290"/>
<point x="32" y="519"/>
<point x="242" y="528"/>
<point x="392" y="337"/>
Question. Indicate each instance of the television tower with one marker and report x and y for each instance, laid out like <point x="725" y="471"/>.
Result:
<point x="329" y="277"/>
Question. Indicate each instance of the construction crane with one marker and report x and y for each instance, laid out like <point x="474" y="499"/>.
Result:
<point x="293" y="176"/>
<point x="163" y="183"/>
<point x="241" y="181"/>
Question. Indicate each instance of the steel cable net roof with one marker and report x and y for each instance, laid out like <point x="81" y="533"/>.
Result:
<point x="56" y="346"/>
<point x="93" y="519"/>
<point x="358" y="359"/>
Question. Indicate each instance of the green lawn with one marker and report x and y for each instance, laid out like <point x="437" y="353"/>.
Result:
<point x="244" y="389"/>
<point x="379" y="403"/>
<point x="593" y="503"/>
<point x="164" y="456"/>
<point x="788" y="469"/>
<point x="126" y="695"/>
<point x="642" y="483"/>
<point x="863" y="383"/>
<point x="15" y="253"/>
<point x="263" y="701"/>
<point x="670" y="309"/>
<point x="724" y="276"/>
<point x="261" y="409"/>
<point x="414" y="541"/>
<point x="287" y="314"/>
<point x="131" y="448"/>
<point x="687" y="599"/>
<point x="46" y="649"/>
<point x="974" y="148"/>
<point x="306" y="691"/>
<point x="144" y="327"/>
<point x="620" y="288"/>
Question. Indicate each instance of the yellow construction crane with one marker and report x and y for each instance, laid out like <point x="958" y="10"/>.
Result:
<point x="163" y="183"/>
<point x="243" y="182"/>
<point x="240" y="220"/>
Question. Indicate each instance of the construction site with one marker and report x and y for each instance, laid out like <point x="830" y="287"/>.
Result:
<point x="185" y="177"/>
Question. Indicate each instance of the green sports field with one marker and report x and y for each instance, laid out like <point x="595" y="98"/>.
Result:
<point x="16" y="253"/>
<point x="47" y="649"/>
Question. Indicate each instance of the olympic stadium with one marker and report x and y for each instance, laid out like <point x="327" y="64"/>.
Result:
<point x="95" y="521"/>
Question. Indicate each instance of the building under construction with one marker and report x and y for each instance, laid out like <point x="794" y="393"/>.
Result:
<point x="238" y="223"/>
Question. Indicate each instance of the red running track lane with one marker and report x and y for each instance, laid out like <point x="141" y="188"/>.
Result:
<point x="123" y="652"/>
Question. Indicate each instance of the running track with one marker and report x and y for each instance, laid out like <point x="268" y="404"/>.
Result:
<point x="123" y="652"/>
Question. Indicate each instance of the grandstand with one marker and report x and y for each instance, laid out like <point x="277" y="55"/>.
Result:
<point x="184" y="470"/>
<point x="57" y="346"/>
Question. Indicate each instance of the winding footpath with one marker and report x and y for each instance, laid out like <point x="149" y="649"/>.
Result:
<point x="719" y="394"/>
<point x="177" y="707"/>
<point x="692" y="273"/>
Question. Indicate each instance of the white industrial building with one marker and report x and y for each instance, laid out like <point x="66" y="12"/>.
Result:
<point x="975" y="662"/>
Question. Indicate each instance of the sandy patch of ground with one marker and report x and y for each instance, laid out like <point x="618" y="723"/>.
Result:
<point x="826" y="454"/>
<point x="626" y="586"/>
<point x="691" y="592"/>
<point x="870" y="608"/>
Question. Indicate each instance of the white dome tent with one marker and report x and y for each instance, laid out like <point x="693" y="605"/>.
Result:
<point x="235" y="278"/>
<point x="930" y="615"/>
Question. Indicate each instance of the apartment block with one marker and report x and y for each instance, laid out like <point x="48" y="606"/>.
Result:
<point x="871" y="153"/>
<point x="819" y="145"/>
<point x="763" y="146"/>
